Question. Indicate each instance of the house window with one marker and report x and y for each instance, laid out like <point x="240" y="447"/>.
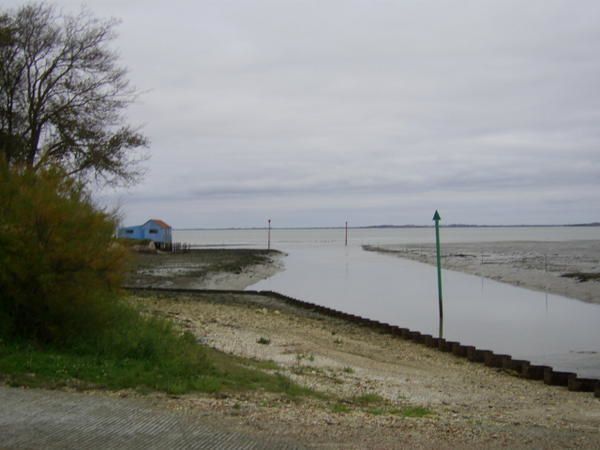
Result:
<point x="153" y="231"/>
<point x="129" y="231"/>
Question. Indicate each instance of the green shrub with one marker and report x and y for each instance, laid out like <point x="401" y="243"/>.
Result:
<point x="60" y="266"/>
<point x="134" y="242"/>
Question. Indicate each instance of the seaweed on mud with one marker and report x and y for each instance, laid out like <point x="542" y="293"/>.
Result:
<point x="582" y="277"/>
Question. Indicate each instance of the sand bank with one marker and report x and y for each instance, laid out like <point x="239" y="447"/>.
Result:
<point x="535" y="265"/>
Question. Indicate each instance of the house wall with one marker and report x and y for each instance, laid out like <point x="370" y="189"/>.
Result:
<point x="156" y="233"/>
<point x="131" y="232"/>
<point x="150" y="230"/>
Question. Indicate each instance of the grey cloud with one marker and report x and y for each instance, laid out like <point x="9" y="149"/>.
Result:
<point x="376" y="110"/>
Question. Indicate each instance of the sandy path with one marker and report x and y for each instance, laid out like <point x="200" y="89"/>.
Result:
<point x="472" y="406"/>
<point x="534" y="265"/>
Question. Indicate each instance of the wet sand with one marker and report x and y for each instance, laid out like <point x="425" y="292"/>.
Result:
<point x="534" y="265"/>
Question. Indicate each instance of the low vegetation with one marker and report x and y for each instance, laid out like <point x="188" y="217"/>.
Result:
<point x="367" y="399"/>
<point x="583" y="276"/>
<point x="139" y="353"/>
<point x="63" y="321"/>
<point x="415" y="411"/>
<point x="376" y="405"/>
<point x="60" y="268"/>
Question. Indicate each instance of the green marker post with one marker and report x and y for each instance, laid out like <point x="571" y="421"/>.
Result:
<point x="437" y="218"/>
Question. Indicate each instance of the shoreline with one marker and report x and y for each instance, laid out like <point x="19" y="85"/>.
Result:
<point x="469" y="405"/>
<point x="539" y="266"/>
<point x="247" y="277"/>
<point x="218" y="268"/>
<point x="378" y="391"/>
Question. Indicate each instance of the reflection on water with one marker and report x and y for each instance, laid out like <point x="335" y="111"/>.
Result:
<point x="526" y="324"/>
<point x="544" y="328"/>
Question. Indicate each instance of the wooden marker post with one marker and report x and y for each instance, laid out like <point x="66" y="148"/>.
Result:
<point x="346" y="234"/>
<point x="269" y="236"/>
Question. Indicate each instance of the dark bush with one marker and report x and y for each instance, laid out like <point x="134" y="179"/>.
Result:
<point x="60" y="266"/>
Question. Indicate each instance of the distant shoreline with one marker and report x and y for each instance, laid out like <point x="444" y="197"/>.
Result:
<point x="377" y="227"/>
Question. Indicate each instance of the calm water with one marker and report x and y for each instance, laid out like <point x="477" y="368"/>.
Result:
<point x="544" y="328"/>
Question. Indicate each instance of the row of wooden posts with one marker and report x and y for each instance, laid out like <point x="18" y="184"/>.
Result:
<point x="174" y="247"/>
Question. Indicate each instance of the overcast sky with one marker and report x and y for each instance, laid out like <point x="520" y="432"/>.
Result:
<point x="316" y="112"/>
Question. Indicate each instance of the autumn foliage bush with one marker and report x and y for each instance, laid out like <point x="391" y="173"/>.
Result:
<point x="60" y="267"/>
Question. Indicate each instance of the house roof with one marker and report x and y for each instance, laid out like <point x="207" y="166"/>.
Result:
<point x="160" y="223"/>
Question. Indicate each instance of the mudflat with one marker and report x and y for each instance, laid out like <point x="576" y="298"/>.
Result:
<point x="204" y="268"/>
<point x="567" y="268"/>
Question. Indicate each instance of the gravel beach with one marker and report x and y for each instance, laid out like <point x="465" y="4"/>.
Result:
<point x="469" y="405"/>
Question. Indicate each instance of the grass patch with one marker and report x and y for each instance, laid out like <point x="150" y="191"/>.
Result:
<point x="414" y="411"/>
<point x="267" y="364"/>
<point x="25" y="365"/>
<point x="340" y="408"/>
<point x="235" y="374"/>
<point x="582" y="276"/>
<point x="307" y="370"/>
<point x="263" y="341"/>
<point x="142" y="353"/>
<point x="376" y="405"/>
<point x="368" y="400"/>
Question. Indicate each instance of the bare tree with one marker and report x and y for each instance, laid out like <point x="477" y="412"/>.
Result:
<point x="63" y="95"/>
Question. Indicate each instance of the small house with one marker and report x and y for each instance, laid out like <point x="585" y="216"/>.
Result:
<point x="155" y="230"/>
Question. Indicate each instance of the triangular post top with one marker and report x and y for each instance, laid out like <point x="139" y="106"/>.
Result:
<point x="436" y="216"/>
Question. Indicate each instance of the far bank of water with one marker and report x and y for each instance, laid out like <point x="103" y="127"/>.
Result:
<point x="544" y="328"/>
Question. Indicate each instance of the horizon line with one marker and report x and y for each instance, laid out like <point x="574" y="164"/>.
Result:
<point x="384" y="226"/>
